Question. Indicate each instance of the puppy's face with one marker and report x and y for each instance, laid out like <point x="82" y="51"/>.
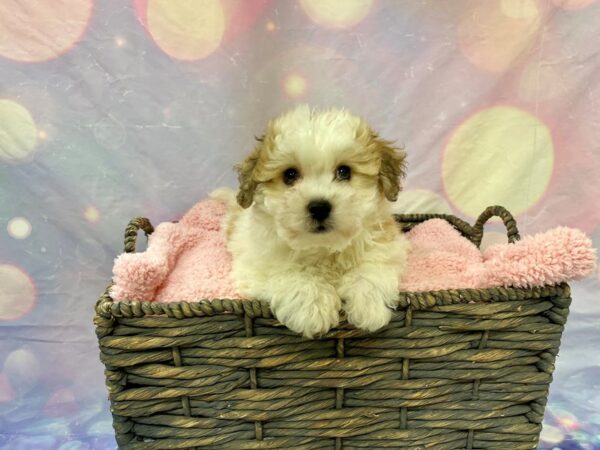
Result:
<point x="321" y="176"/>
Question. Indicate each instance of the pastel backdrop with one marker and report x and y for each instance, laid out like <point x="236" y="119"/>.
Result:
<point x="111" y="109"/>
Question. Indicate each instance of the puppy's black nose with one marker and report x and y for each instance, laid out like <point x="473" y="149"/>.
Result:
<point x="319" y="209"/>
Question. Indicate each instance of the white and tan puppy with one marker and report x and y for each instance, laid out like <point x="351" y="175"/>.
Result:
<point x="311" y="230"/>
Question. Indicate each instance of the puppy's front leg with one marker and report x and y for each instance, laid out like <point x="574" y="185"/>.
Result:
<point x="304" y="302"/>
<point x="370" y="292"/>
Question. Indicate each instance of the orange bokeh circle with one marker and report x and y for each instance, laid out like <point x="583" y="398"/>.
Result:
<point x="37" y="31"/>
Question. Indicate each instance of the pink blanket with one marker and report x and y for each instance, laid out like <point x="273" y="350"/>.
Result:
<point x="188" y="260"/>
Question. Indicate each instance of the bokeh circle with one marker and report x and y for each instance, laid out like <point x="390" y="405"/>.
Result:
<point x="91" y="214"/>
<point x="501" y="155"/>
<point x="493" y="35"/>
<point x="61" y="403"/>
<point x="337" y="14"/>
<point x="551" y="435"/>
<point x="295" y="85"/>
<point x="186" y="29"/>
<point x="18" y="132"/>
<point x="519" y="9"/>
<point x="19" y="228"/>
<point x="17" y="292"/>
<point x="37" y="31"/>
<point x="22" y="369"/>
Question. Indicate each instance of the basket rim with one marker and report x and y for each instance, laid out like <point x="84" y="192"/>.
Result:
<point x="107" y="307"/>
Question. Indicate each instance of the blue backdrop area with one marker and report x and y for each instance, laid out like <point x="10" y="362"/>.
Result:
<point x="111" y="109"/>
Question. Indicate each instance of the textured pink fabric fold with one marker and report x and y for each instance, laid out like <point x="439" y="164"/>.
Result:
<point x="189" y="260"/>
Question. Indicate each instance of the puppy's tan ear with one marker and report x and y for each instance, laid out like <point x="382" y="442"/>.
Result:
<point x="392" y="169"/>
<point x="246" y="177"/>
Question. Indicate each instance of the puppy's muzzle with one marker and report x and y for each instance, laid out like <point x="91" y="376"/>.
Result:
<point x="319" y="211"/>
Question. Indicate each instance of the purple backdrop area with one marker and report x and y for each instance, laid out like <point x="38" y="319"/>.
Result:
<point x="113" y="109"/>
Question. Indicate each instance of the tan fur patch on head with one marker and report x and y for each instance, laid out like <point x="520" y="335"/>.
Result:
<point x="250" y="170"/>
<point x="392" y="160"/>
<point x="245" y="169"/>
<point x="393" y="168"/>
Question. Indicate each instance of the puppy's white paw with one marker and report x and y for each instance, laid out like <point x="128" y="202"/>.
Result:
<point x="369" y="305"/>
<point x="367" y="313"/>
<point x="310" y="311"/>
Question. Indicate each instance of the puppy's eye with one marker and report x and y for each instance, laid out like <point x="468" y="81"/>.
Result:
<point x="343" y="173"/>
<point x="290" y="176"/>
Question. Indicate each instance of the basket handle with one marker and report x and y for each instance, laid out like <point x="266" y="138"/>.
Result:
<point x="498" y="211"/>
<point x="131" y="232"/>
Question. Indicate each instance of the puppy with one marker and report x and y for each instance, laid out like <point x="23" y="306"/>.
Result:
<point x="311" y="229"/>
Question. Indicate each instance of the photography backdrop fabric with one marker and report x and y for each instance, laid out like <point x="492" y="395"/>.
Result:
<point x="112" y="109"/>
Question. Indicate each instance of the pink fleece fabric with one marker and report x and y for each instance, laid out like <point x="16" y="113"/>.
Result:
<point x="186" y="260"/>
<point x="189" y="261"/>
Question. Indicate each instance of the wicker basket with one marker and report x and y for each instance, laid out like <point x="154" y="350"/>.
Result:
<point x="455" y="369"/>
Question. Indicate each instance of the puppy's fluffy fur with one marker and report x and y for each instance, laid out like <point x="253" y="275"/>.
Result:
<point x="307" y="268"/>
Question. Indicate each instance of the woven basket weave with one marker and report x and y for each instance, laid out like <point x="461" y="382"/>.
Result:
<point x="455" y="369"/>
